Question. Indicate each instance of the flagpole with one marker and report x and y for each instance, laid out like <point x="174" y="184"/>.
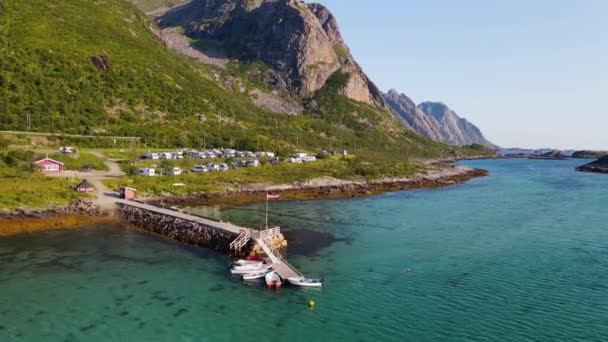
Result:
<point x="266" y="210"/>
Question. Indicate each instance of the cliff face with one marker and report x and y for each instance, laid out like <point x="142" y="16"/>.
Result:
<point x="414" y="117"/>
<point x="301" y="43"/>
<point x="435" y="121"/>
<point x="457" y="130"/>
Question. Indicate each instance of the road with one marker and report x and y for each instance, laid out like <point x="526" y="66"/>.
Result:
<point x="106" y="198"/>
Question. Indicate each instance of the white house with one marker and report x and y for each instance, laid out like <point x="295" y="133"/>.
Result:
<point x="147" y="172"/>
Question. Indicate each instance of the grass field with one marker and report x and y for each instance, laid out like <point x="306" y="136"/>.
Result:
<point x="284" y="173"/>
<point x="80" y="161"/>
<point x="19" y="190"/>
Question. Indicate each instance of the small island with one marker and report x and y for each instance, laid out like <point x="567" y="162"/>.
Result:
<point x="598" y="166"/>
<point x="553" y="155"/>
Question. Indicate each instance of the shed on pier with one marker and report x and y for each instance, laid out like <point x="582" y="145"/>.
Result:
<point x="127" y="193"/>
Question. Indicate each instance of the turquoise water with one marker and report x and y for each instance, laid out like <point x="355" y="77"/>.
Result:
<point x="519" y="255"/>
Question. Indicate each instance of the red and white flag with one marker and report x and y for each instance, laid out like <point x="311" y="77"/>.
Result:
<point x="270" y="196"/>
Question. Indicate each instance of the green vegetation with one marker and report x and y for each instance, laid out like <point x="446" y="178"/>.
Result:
<point x="136" y="86"/>
<point x="217" y="182"/>
<point x="22" y="186"/>
<point x="96" y="67"/>
<point x="341" y="51"/>
<point x="81" y="161"/>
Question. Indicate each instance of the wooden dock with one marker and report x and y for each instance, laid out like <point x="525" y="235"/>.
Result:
<point x="242" y="235"/>
<point x="226" y="226"/>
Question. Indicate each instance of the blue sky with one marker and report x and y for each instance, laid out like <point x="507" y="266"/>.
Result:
<point x="528" y="73"/>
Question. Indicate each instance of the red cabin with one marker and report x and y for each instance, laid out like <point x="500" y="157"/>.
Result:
<point x="85" y="187"/>
<point x="49" y="165"/>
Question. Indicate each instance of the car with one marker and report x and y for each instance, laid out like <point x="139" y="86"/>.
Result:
<point x="200" y="168"/>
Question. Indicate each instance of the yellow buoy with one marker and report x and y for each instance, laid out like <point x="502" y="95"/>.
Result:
<point x="311" y="303"/>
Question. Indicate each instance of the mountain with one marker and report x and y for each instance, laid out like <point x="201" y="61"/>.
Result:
<point x="458" y="131"/>
<point x="299" y="42"/>
<point x="103" y="67"/>
<point x="436" y="121"/>
<point x="413" y="116"/>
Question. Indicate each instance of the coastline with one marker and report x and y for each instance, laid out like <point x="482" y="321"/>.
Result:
<point x="82" y="213"/>
<point x="327" y="188"/>
<point x="77" y="214"/>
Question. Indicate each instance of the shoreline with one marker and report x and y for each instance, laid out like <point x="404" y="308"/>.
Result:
<point x="81" y="213"/>
<point x="326" y="188"/>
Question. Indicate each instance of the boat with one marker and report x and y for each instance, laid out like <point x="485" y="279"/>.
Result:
<point x="255" y="275"/>
<point x="305" y="282"/>
<point x="247" y="270"/>
<point x="273" y="280"/>
<point x="248" y="262"/>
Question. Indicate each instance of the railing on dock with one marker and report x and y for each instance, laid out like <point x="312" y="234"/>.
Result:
<point x="241" y="241"/>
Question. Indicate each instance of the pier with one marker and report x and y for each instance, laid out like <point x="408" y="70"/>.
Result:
<point x="221" y="236"/>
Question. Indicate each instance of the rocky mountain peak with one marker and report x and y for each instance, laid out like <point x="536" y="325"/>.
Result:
<point x="435" y="120"/>
<point x="300" y="43"/>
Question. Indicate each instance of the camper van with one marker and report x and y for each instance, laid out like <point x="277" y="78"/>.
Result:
<point x="147" y="172"/>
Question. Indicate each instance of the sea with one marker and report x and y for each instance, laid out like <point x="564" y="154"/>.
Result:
<point x="519" y="255"/>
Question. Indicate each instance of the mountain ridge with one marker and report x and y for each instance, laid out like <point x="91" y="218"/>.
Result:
<point x="436" y="121"/>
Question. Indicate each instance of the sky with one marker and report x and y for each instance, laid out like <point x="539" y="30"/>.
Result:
<point x="528" y="73"/>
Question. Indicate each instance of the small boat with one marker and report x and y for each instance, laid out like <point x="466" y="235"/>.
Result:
<point x="273" y="280"/>
<point x="248" y="262"/>
<point x="305" y="282"/>
<point x="248" y="270"/>
<point x="256" y="275"/>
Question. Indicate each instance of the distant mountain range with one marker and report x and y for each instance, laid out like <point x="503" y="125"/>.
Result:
<point x="435" y="121"/>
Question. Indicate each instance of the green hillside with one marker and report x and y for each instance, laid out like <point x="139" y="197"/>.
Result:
<point x="97" y="67"/>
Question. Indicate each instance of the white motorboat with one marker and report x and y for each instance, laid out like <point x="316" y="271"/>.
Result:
<point x="305" y="282"/>
<point x="244" y="262"/>
<point x="247" y="270"/>
<point x="256" y="275"/>
<point x="273" y="280"/>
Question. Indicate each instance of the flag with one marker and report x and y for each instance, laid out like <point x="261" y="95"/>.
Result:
<point x="272" y="196"/>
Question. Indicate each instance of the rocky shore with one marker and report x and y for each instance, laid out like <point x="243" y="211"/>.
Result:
<point x="328" y="188"/>
<point x="32" y="220"/>
<point x="598" y="166"/>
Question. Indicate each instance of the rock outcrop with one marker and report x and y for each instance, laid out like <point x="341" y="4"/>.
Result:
<point x="435" y="121"/>
<point x="300" y="43"/>
<point x="598" y="166"/>
<point x="589" y="154"/>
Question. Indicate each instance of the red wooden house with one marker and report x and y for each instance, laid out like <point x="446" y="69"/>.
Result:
<point x="49" y="165"/>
